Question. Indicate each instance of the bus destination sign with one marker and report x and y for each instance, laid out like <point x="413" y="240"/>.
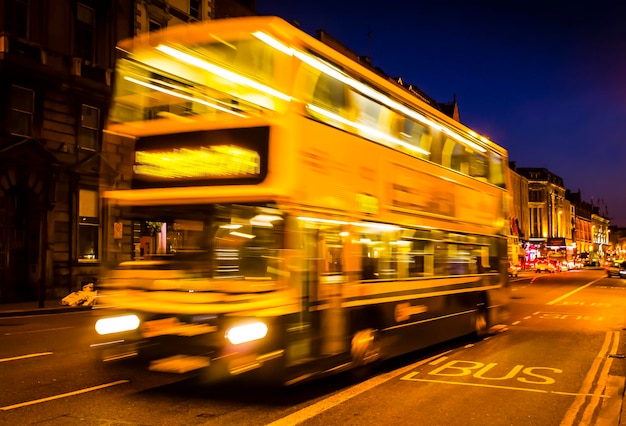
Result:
<point x="203" y="162"/>
<point x="215" y="157"/>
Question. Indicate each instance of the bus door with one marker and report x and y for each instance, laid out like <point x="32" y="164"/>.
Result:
<point x="322" y="288"/>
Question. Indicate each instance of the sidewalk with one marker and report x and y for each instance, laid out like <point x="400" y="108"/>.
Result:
<point x="33" y="308"/>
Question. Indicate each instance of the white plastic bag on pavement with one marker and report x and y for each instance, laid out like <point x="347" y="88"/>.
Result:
<point x="84" y="297"/>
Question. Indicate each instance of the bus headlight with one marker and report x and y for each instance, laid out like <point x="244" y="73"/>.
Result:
<point x="117" y="324"/>
<point x="246" y="332"/>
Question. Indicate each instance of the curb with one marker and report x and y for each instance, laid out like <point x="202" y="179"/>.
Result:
<point x="42" y="311"/>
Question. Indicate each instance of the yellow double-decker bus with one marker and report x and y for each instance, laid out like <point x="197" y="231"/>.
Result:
<point x="291" y="211"/>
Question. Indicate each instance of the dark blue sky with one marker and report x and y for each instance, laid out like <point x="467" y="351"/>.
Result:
<point x="544" y="79"/>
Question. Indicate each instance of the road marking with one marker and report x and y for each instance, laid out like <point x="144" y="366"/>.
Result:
<point x="566" y="295"/>
<point x="594" y="304"/>
<point x="37" y="331"/>
<point x="438" y="360"/>
<point x="480" y="385"/>
<point x="597" y="396"/>
<point x="14" y="358"/>
<point x="589" y="380"/>
<point x="601" y="382"/>
<point x="333" y="401"/>
<point x="63" y="395"/>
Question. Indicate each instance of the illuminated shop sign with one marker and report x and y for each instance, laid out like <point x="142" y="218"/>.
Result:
<point x="211" y="162"/>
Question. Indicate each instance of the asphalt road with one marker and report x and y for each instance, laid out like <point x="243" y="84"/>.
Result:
<point x="559" y="361"/>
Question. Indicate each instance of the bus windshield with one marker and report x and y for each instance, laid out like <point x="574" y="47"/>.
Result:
<point x="221" y="242"/>
<point x="189" y="83"/>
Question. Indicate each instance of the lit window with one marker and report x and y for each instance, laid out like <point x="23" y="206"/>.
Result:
<point x="88" y="134"/>
<point x="21" y="114"/>
<point x="88" y="225"/>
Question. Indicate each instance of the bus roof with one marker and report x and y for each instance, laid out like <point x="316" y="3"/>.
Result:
<point x="289" y="34"/>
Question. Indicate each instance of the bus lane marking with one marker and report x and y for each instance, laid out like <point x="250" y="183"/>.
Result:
<point x="592" y="304"/>
<point x="576" y="290"/>
<point x="15" y="358"/>
<point x="63" y="395"/>
<point x="561" y="316"/>
<point x="461" y="368"/>
<point x="334" y="400"/>
<point x="594" y="373"/>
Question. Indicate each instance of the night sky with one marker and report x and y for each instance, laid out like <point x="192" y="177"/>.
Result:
<point x="544" y="79"/>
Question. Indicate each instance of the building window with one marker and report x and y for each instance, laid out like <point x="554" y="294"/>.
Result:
<point x="89" y="133"/>
<point x="85" y="30"/>
<point x="154" y="26"/>
<point x="22" y="109"/>
<point x="194" y="8"/>
<point x="88" y="225"/>
<point x="17" y="23"/>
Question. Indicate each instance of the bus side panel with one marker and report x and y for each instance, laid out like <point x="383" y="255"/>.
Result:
<point x="415" y="324"/>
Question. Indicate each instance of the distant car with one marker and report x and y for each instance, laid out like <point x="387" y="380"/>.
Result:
<point x="513" y="270"/>
<point x="544" y="265"/>
<point x="616" y="269"/>
<point x="563" y="266"/>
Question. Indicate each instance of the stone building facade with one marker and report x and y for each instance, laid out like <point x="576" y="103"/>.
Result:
<point x="56" y="72"/>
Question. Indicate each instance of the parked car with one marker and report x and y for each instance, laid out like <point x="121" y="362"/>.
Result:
<point x="616" y="269"/>
<point x="544" y="265"/>
<point x="513" y="270"/>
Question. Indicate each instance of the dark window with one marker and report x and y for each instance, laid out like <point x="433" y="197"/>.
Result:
<point x="21" y="114"/>
<point x="194" y="8"/>
<point x="17" y="13"/>
<point x="85" y="30"/>
<point x="89" y="133"/>
<point x="535" y="195"/>
<point x="154" y="26"/>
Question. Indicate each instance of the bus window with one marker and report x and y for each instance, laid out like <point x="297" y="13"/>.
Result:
<point x="417" y="135"/>
<point x="375" y="120"/>
<point x="384" y="255"/>
<point x="370" y="258"/>
<point x="496" y="171"/>
<point x="421" y="259"/>
<point x="442" y="266"/>
<point x="452" y="154"/>
<point x="329" y="94"/>
<point x="479" y="166"/>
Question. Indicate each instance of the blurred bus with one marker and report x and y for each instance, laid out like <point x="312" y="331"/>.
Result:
<point x="290" y="212"/>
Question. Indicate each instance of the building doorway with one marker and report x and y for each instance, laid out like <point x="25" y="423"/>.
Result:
<point x="20" y="244"/>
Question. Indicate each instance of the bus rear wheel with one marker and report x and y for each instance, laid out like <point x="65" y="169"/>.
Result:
<point x="481" y="322"/>
<point x="366" y="353"/>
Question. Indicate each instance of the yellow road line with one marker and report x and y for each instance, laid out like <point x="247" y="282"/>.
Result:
<point x="585" y="389"/>
<point x="63" y="395"/>
<point x="14" y="358"/>
<point x="565" y="296"/>
<point x="333" y="401"/>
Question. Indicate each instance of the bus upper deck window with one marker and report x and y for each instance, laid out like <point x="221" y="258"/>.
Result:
<point x="329" y="93"/>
